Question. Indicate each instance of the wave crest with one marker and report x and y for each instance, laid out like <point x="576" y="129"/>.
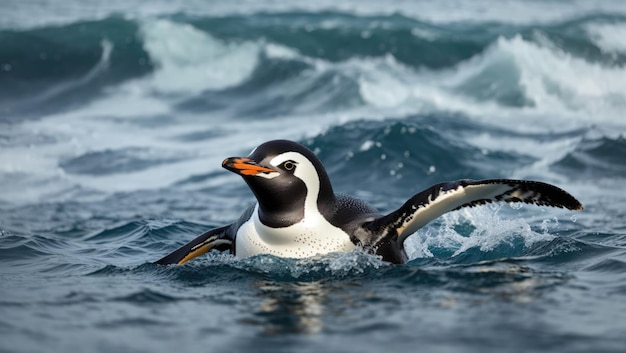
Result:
<point x="189" y="60"/>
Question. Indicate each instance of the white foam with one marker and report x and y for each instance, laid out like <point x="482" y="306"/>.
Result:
<point x="490" y="231"/>
<point x="278" y="51"/>
<point x="557" y="81"/>
<point x="571" y="91"/>
<point x="190" y="60"/>
<point x="381" y="81"/>
<point x="610" y="37"/>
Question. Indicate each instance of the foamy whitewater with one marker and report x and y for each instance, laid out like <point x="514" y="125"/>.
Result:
<point x="115" y="117"/>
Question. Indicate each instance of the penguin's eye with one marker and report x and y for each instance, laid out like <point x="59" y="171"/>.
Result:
<point x="289" y="165"/>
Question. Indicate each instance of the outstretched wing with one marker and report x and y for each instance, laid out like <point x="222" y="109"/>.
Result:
<point x="445" y="197"/>
<point x="218" y="238"/>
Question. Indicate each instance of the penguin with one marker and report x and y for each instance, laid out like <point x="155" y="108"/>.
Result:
<point x="298" y="214"/>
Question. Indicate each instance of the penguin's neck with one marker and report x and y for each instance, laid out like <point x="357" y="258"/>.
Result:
<point x="280" y="212"/>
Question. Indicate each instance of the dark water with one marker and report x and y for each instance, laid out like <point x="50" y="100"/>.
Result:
<point x="114" y="120"/>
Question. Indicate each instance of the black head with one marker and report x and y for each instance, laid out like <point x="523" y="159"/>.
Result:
<point x="287" y="179"/>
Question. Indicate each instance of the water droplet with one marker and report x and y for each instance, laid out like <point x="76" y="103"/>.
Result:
<point x="367" y="145"/>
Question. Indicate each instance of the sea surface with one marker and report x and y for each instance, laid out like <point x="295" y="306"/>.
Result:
<point x="115" y="117"/>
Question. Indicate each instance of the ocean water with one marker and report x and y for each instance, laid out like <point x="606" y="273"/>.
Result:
<point x="115" y="117"/>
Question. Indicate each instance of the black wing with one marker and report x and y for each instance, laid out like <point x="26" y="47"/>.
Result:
<point x="445" y="197"/>
<point x="218" y="238"/>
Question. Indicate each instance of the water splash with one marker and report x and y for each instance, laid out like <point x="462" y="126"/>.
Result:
<point x="335" y="265"/>
<point x="482" y="229"/>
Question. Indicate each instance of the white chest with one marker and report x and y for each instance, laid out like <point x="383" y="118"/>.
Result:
<point x="312" y="236"/>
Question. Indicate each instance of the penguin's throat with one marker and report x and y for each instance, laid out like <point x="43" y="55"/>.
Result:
<point x="279" y="216"/>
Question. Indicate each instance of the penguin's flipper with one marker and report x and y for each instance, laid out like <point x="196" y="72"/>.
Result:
<point x="445" y="197"/>
<point x="218" y="238"/>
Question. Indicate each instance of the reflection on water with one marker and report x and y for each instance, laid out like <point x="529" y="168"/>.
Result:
<point x="506" y="280"/>
<point x="291" y="307"/>
<point x="310" y="307"/>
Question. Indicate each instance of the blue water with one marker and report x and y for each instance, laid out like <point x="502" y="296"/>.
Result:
<point x="115" y="117"/>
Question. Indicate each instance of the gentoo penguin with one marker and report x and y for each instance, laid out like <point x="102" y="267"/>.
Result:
<point x="297" y="213"/>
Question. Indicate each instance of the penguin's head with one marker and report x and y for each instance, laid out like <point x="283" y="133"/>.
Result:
<point x="287" y="180"/>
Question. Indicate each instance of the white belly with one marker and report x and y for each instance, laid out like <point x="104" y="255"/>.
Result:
<point x="304" y="239"/>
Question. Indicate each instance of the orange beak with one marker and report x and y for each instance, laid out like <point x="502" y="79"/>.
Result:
<point x="244" y="166"/>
